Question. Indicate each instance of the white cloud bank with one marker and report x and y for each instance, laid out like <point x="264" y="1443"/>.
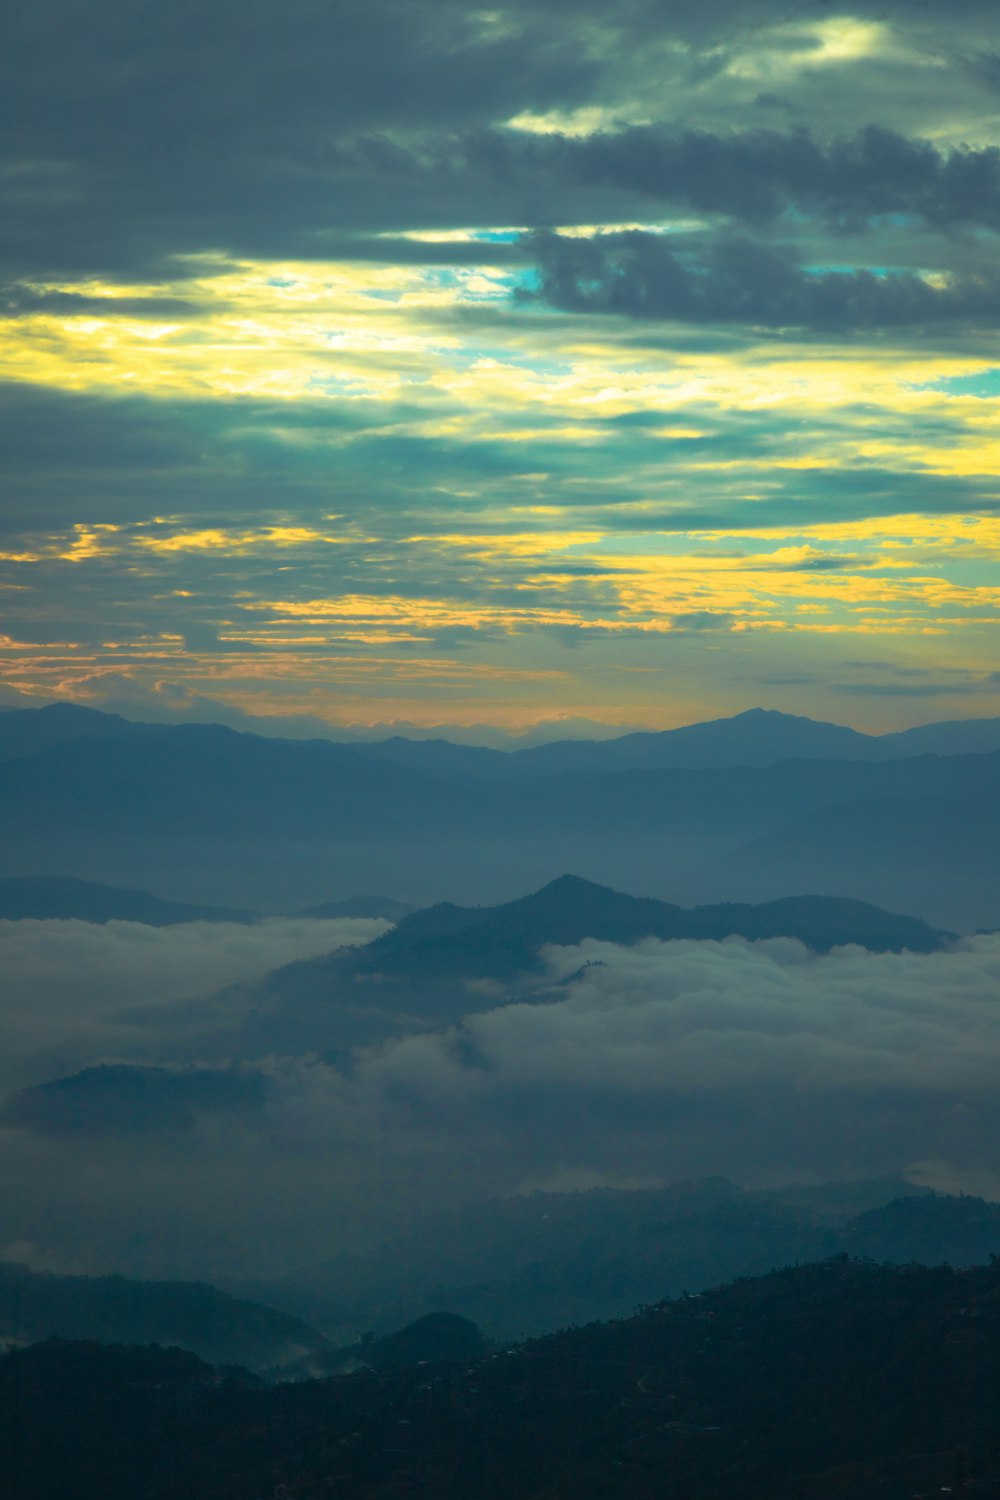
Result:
<point x="759" y="1061"/>
<point x="66" y="982"/>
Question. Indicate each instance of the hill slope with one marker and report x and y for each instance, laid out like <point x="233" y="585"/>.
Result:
<point x="36" y="1305"/>
<point x="840" y="1379"/>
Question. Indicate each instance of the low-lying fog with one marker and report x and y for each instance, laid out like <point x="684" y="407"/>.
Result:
<point x="761" y="1062"/>
<point x="70" y="987"/>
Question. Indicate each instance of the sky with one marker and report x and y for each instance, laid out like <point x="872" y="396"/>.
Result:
<point x="404" y="362"/>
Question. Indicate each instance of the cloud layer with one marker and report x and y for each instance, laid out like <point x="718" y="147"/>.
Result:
<point x="757" y="1061"/>
<point x="402" y="362"/>
<point x="76" y="992"/>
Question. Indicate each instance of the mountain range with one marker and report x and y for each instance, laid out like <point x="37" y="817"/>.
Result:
<point x="215" y="817"/>
<point x="840" y="1380"/>
<point x="37" y="1305"/>
<point x="526" y="1265"/>
<point x="446" y="961"/>
<point x="756" y="737"/>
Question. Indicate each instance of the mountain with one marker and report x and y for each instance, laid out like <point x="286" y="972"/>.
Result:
<point x="359" y="906"/>
<point x="430" y="968"/>
<point x="954" y="737"/>
<point x="37" y="1305"/>
<point x="235" y="819"/>
<point x="207" y="780"/>
<point x="887" y="848"/>
<point x="126" y="1098"/>
<point x="26" y="731"/>
<point x="757" y="737"/>
<point x="539" y="1261"/>
<point x="840" y="1380"/>
<point x="929" y="1229"/>
<point x="63" y="897"/>
<point x="430" y="1339"/>
<point x="503" y="941"/>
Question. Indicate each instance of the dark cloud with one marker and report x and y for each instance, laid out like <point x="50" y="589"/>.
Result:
<point x="736" y="280"/>
<point x="19" y="300"/>
<point x="702" y="619"/>
<point x="136" y="133"/>
<point x="759" y="175"/>
<point x="829" y="563"/>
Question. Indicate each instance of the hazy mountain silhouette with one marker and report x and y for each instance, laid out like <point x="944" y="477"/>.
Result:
<point x="202" y="778"/>
<point x="246" y="820"/>
<point x="124" y="1098"/>
<point x="359" y="906"/>
<point x="882" y="845"/>
<point x="757" y="737"/>
<point x="25" y="731"/>
<point x="931" y="1230"/>
<point x="419" y="973"/>
<point x="502" y="941"/>
<point x="114" y="1310"/>
<point x="64" y="897"/>
<point x="527" y="1265"/>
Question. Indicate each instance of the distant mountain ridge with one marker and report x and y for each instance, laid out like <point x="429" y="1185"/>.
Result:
<point x="539" y="1261"/>
<point x="427" y="971"/>
<point x="115" y="1310"/>
<point x="279" y="824"/>
<point x="65" y="898"/>
<point x="118" y="1099"/>
<point x="754" y="737"/>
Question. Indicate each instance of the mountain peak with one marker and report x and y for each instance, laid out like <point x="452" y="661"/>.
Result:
<point x="569" y="885"/>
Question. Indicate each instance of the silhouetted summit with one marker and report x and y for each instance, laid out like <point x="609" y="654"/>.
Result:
<point x="499" y="942"/>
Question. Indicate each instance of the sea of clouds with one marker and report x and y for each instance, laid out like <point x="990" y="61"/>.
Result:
<point x="758" y="1061"/>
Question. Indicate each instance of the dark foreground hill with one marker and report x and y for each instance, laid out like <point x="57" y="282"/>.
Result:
<point x="36" y="1305"/>
<point x="838" y="1379"/>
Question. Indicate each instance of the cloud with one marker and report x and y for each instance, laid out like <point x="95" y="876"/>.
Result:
<point x="666" y="1060"/>
<point x="75" y="991"/>
<point x="748" y="282"/>
<point x="262" y="280"/>
<point x="760" y="175"/>
<point x="272" y="130"/>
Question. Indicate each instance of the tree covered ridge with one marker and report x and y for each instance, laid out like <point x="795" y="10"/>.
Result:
<point x="842" y="1378"/>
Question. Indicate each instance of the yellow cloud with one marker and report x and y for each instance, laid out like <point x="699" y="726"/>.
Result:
<point x="218" y="540"/>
